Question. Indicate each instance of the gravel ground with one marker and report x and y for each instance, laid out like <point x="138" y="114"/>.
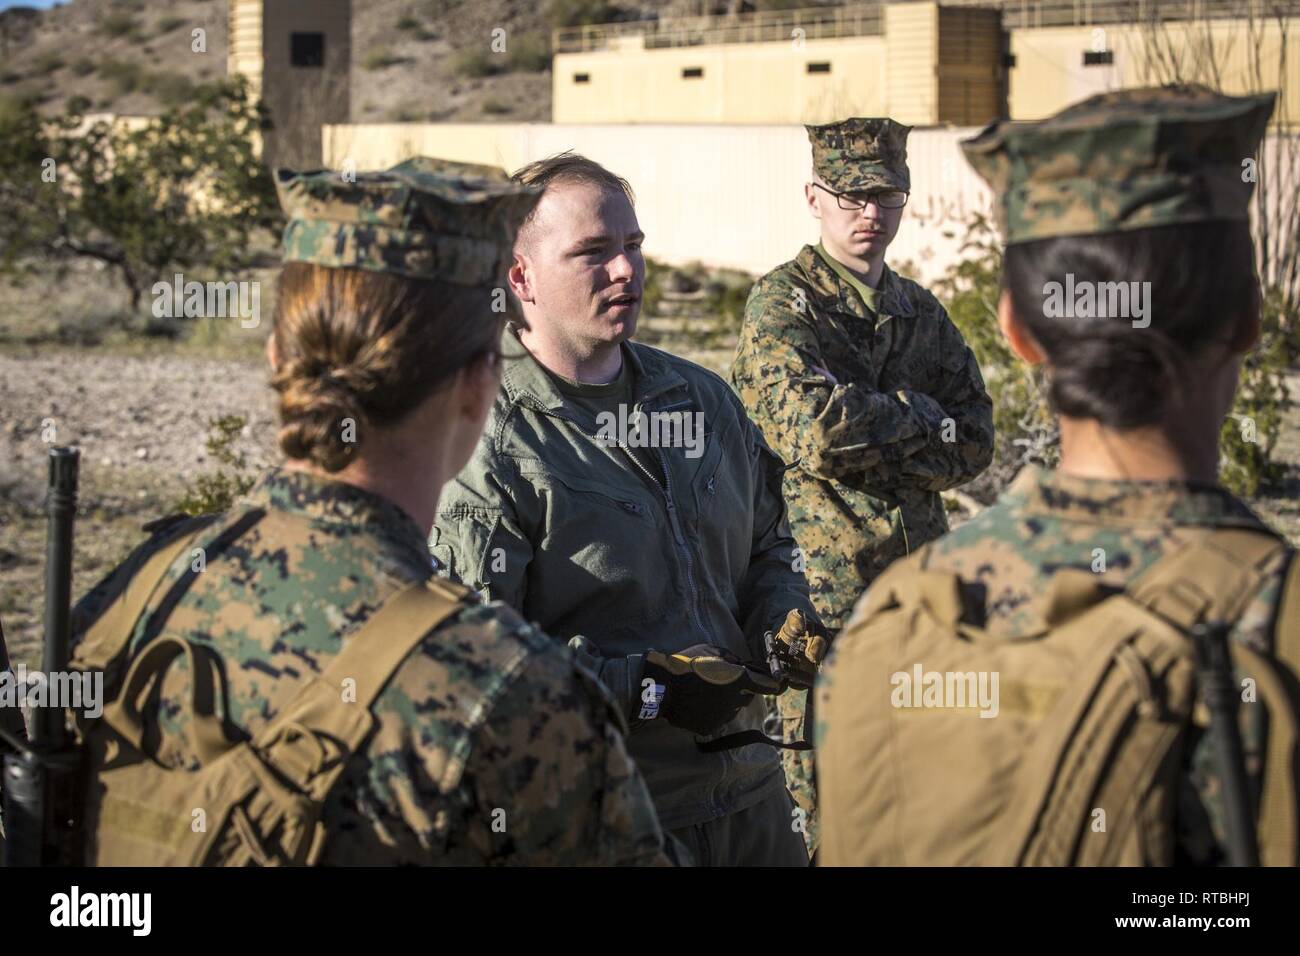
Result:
<point x="142" y="424"/>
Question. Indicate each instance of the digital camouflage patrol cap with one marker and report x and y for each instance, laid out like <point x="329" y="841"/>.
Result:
<point x="1130" y="159"/>
<point x="861" y="154"/>
<point x="423" y="219"/>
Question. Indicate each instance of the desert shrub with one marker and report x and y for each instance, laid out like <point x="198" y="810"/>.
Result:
<point x="529" y="53"/>
<point x="48" y="63"/>
<point x="183" y="189"/>
<point x="217" y="490"/>
<point x="123" y="76"/>
<point x="380" y="58"/>
<point x="477" y="61"/>
<point x="118" y="24"/>
<point x="652" y="292"/>
<point x="1025" y="430"/>
<point x="172" y="89"/>
<point x="1250" y="432"/>
<point x="574" y="13"/>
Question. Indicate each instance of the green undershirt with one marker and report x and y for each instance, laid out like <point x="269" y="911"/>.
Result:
<point x="864" y="291"/>
<point x="597" y="398"/>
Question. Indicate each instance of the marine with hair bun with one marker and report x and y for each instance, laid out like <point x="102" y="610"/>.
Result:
<point x="485" y="743"/>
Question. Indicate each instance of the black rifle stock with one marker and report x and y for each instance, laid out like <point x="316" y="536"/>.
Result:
<point x="13" y="732"/>
<point x="40" y="777"/>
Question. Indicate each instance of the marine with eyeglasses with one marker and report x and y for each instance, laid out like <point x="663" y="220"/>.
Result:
<point x="862" y="384"/>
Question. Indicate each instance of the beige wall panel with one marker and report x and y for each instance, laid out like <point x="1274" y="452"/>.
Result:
<point x="723" y="195"/>
<point x="1049" y="72"/>
<point x="912" y="46"/>
<point x="742" y="83"/>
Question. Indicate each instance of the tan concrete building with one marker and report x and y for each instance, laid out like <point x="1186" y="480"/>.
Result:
<point x="919" y="61"/>
<point x="298" y="57"/>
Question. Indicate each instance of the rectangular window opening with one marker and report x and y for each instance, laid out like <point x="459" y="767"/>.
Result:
<point x="582" y="78"/>
<point x="1098" y="57"/>
<point x="307" y="49"/>
<point x="693" y="73"/>
<point x="819" y="67"/>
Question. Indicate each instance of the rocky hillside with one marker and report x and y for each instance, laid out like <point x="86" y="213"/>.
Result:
<point x="412" y="59"/>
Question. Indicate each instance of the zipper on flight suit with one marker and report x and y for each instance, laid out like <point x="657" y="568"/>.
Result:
<point x="728" y="758"/>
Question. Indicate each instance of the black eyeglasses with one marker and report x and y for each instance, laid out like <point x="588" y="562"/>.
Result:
<point x="856" y="202"/>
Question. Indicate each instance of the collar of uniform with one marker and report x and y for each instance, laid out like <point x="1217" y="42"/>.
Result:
<point x="864" y="291"/>
<point x="336" y="502"/>
<point x="524" y="377"/>
<point x="1093" y="500"/>
<point x="833" y="292"/>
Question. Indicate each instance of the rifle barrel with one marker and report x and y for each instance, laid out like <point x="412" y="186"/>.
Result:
<point x="61" y="508"/>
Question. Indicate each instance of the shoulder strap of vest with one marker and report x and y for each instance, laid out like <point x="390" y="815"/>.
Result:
<point x="112" y="631"/>
<point x="374" y="652"/>
<point x="1216" y="573"/>
<point x="1279" y="804"/>
<point x="310" y="739"/>
<point x="1215" y="578"/>
<point x="1286" y="635"/>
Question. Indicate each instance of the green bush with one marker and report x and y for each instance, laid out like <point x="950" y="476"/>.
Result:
<point x="726" y="294"/>
<point x="48" y="63"/>
<point x="575" y="13"/>
<point x="168" y="24"/>
<point x="217" y="490"/>
<point x="184" y="189"/>
<point x="477" y="61"/>
<point x="78" y="103"/>
<point x="124" y="77"/>
<point x="380" y="58"/>
<point x="408" y="24"/>
<point x="1025" y="429"/>
<point x="1251" y="430"/>
<point x="529" y="53"/>
<point x="172" y="89"/>
<point x="652" y="292"/>
<point x="495" y="107"/>
<point x="83" y="67"/>
<point x="711" y="320"/>
<point x="118" y="24"/>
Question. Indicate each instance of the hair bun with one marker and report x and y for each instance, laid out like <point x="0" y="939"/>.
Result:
<point x="322" y="415"/>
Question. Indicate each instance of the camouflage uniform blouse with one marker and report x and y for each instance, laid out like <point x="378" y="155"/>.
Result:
<point x="490" y="745"/>
<point x="1047" y="521"/>
<point x="868" y="455"/>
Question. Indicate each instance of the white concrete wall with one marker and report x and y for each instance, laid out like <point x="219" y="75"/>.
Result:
<point x="723" y="195"/>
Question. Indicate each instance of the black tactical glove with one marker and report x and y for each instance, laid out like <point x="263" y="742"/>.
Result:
<point x="796" y="651"/>
<point x="700" y="688"/>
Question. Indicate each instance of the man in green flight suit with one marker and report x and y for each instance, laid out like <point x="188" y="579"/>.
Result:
<point x="621" y="498"/>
